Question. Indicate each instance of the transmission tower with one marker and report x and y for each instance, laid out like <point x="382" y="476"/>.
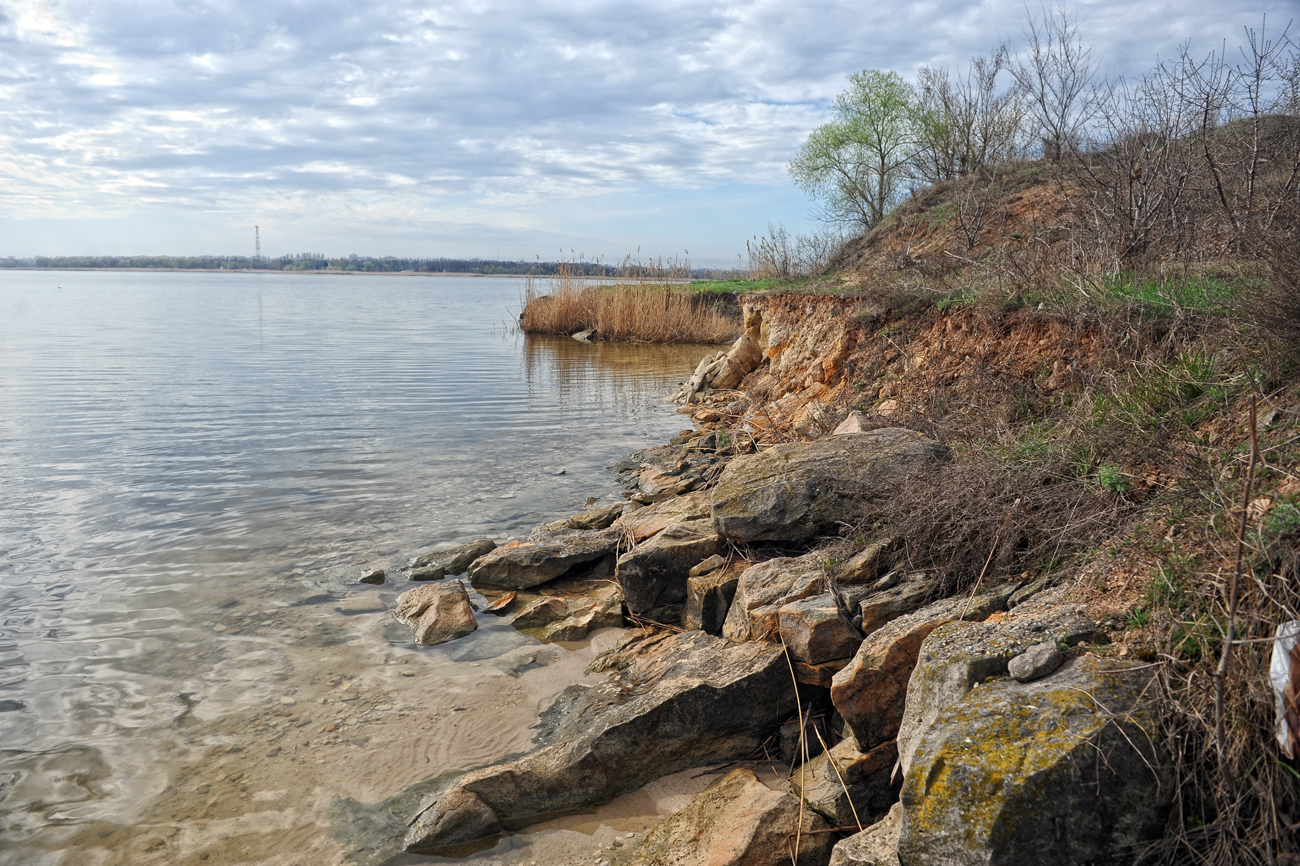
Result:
<point x="257" y="242"/>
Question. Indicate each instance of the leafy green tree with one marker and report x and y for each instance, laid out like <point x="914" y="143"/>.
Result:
<point x="857" y="165"/>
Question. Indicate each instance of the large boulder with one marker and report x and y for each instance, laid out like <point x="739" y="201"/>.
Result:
<point x="653" y="574"/>
<point x="817" y="630"/>
<point x="737" y="821"/>
<point x="764" y="589"/>
<point x="436" y="613"/>
<point x="795" y="492"/>
<point x="453" y="560"/>
<point x="957" y="656"/>
<point x="847" y="786"/>
<point x="521" y="565"/>
<point x="674" y="702"/>
<point x="653" y="519"/>
<point x="870" y="692"/>
<point x="1064" y="771"/>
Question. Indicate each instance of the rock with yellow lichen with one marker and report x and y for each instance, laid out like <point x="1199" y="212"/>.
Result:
<point x="1062" y="771"/>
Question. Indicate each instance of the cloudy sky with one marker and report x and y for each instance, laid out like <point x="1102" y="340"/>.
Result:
<point x="493" y="129"/>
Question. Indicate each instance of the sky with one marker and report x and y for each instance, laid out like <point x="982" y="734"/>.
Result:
<point x="487" y="129"/>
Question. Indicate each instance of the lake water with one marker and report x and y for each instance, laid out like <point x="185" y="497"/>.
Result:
<point x="195" y="469"/>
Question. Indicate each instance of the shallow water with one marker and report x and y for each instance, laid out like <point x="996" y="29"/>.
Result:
<point x="196" y="468"/>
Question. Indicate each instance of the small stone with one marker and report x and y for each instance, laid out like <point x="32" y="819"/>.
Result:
<point x="374" y="578"/>
<point x="561" y="471"/>
<point x="713" y="563"/>
<point x="288" y="702"/>
<point x="1037" y="662"/>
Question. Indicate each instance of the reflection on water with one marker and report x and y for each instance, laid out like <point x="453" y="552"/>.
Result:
<point x="196" y="469"/>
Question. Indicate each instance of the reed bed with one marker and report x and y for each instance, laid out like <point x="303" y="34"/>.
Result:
<point x="639" y="312"/>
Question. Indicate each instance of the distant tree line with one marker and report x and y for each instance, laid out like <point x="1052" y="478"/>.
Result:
<point x="352" y="263"/>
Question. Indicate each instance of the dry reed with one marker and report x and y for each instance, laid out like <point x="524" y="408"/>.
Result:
<point x="641" y="312"/>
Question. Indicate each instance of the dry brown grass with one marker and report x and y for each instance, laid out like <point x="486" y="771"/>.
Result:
<point x="641" y="312"/>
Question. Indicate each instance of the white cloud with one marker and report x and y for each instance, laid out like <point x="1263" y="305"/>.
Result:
<point x="500" y="113"/>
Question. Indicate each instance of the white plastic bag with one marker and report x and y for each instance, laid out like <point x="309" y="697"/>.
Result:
<point x="1284" y="673"/>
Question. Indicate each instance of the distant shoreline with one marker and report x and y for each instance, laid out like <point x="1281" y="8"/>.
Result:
<point x="320" y="272"/>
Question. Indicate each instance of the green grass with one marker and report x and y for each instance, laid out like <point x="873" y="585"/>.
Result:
<point x="1162" y="295"/>
<point x="743" y="286"/>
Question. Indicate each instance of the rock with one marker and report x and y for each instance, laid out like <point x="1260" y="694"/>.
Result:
<point x="798" y="491"/>
<point x="763" y="589"/>
<point x="654" y="573"/>
<point x="888" y="604"/>
<point x="673" y="702"/>
<point x="709" y="597"/>
<point x="1035" y="662"/>
<point x="653" y="519"/>
<point x="792" y="748"/>
<point x="657" y="484"/>
<point x="856" y="422"/>
<point x="713" y="563"/>
<point x="540" y="613"/>
<point x="867" y="564"/>
<point x="603" y="610"/>
<point x="550" y="531"/>
<point x="736" y="821"/>
<point x="871" y="691"/>
<point x="815" y="631"/>
<point x="599" y="517"/>
<point x="374" y="578"/>
<point x="585" y="336"/>
<point x="823" y="783"/>
<point x="875" y="846"/>
<point x="436" y="613"/>
<point x="958" y="655"/>
<point x="453" y="560"/>
<point x="1060" y="771"/>
<point x="520" y="565"/>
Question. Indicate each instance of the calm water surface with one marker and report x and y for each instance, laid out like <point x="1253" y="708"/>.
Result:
<point x="194" y="470"/>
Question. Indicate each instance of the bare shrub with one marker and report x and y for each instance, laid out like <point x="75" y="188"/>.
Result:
<point x="1056" y="77"/>
<point x="968" y="125"/>
<point x="783" y="255"/>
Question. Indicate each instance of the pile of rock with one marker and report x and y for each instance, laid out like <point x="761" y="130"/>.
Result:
<point x="951" y="730"/>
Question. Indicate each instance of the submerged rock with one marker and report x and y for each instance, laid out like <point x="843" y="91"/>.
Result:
<point x="452" y="561"/>
<point x="521" y="565"/>
<point x="436" y="613"/>
<point x="374" y="578"/>
<point x="672" y="703"/>
<point x="737" y="821"/>
<point x="1061" y="771"/>
<point x="795" y="492"/>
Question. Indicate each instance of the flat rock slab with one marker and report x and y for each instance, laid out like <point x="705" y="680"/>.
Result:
<point x="521" y="565"/>
<point x="653" y="519"/>
<point x="795" y="492"/>
<point x="654" y="573"/>
<point x="871" y="692"/>
<point x="736" y="821"/>
<point x="436" y="613"/>
<point x="452" y="561"/>
<point x="1061" y="771"/>
<point x="672" y="702"/>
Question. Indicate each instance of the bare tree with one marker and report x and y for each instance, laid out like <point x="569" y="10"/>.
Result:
<point x="1056" y="75"/>
<point x="966" y="124"/>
